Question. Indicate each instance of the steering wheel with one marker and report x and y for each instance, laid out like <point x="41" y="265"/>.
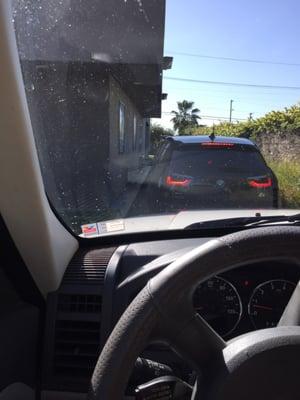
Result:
<point x="262" y="364"/>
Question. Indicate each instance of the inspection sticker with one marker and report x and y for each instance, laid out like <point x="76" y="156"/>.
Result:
<point x="89" y="229"/>
<point x="111" y="226"/>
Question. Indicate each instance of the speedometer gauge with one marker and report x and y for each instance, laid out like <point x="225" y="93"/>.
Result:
<point x="218" y="302"/>
<point x="268" y="302"/>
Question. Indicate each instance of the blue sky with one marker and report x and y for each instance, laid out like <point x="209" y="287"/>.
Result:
<point x="266" y="30"/>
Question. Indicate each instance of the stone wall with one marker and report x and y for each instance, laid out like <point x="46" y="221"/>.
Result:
<point x="280" y="146"/>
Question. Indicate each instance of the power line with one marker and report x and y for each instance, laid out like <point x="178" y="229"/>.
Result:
<point x="222" y="118"/>
<point x="211" y="117"/>
<point x="243" y="60"/>
<point x="232" y="83"/>
<point x="236" y="92"/>
<point x="211" y="99"/>
<point x="239" y="110"/>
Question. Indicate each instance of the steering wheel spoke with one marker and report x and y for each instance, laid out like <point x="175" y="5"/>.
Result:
<point x="196" y="341"/>
<point x="291" y="314"/>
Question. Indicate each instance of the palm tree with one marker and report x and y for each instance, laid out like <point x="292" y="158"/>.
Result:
<point x="186" y="116"/>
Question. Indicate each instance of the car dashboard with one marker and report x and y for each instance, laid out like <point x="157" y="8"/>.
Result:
<point x="100" y="282"/>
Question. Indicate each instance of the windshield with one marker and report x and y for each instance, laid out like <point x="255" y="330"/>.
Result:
<point x="145" y="111"/>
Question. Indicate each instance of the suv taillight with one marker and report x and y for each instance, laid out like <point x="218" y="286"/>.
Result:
<point x="260" y="182"/>
<point x="179" y="182"/>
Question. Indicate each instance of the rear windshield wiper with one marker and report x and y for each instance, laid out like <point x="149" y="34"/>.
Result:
<point x="245" y="221"/>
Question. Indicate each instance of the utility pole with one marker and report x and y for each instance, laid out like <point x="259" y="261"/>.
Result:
<point x="231" y="109"/>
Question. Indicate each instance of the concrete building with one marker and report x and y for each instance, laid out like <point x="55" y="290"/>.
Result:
<point x="93" y="81"/>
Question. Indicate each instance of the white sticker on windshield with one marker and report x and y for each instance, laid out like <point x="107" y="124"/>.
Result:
<point x="89" y="230"/>
<point x="111" y="226"/>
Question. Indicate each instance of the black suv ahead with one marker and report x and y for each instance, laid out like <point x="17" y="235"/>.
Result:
<point x="200" y="172"/>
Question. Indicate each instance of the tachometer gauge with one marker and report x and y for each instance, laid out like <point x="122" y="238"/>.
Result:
<point x="268" y="302"/>
<point x="219" y="303"/>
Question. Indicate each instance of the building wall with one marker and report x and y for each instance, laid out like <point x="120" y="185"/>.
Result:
<point x="121" y="163"/>
<point x="68" y="105"/>
<point x="281" y="146"/>
<point x="74" y="112"/>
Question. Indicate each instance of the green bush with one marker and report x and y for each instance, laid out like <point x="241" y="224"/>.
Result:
<point x="158" y="133"/>
<point x="241" y="129"/>
<point x="288" y="175"/>
<point x="287" y="120"/>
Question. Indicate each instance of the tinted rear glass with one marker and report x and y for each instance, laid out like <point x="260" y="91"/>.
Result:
<point x="201" y="160"/>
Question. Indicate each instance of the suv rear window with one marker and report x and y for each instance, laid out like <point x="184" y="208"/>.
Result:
<point x="192" y="161"/>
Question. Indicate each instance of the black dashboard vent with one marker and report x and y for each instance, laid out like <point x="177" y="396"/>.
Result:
<point x="75" y="303"/>
<point x="76" y="309"/>
<point x="77" y="335"/>
<point x="76" y="348"/>
<point x="88" y="267"/>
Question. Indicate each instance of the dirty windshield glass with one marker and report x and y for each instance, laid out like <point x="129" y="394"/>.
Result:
<point x="147" y="110"/>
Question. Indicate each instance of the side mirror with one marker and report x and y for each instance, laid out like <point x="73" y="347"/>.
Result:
<point x="148" y="160"/>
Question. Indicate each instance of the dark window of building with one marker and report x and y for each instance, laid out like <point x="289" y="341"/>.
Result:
<point x="134" y="133"/>
<point x="141" y="136"/>
<point x="121" y="127"/>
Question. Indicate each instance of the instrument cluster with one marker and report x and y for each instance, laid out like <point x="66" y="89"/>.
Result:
<point x="248" y="298"/>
